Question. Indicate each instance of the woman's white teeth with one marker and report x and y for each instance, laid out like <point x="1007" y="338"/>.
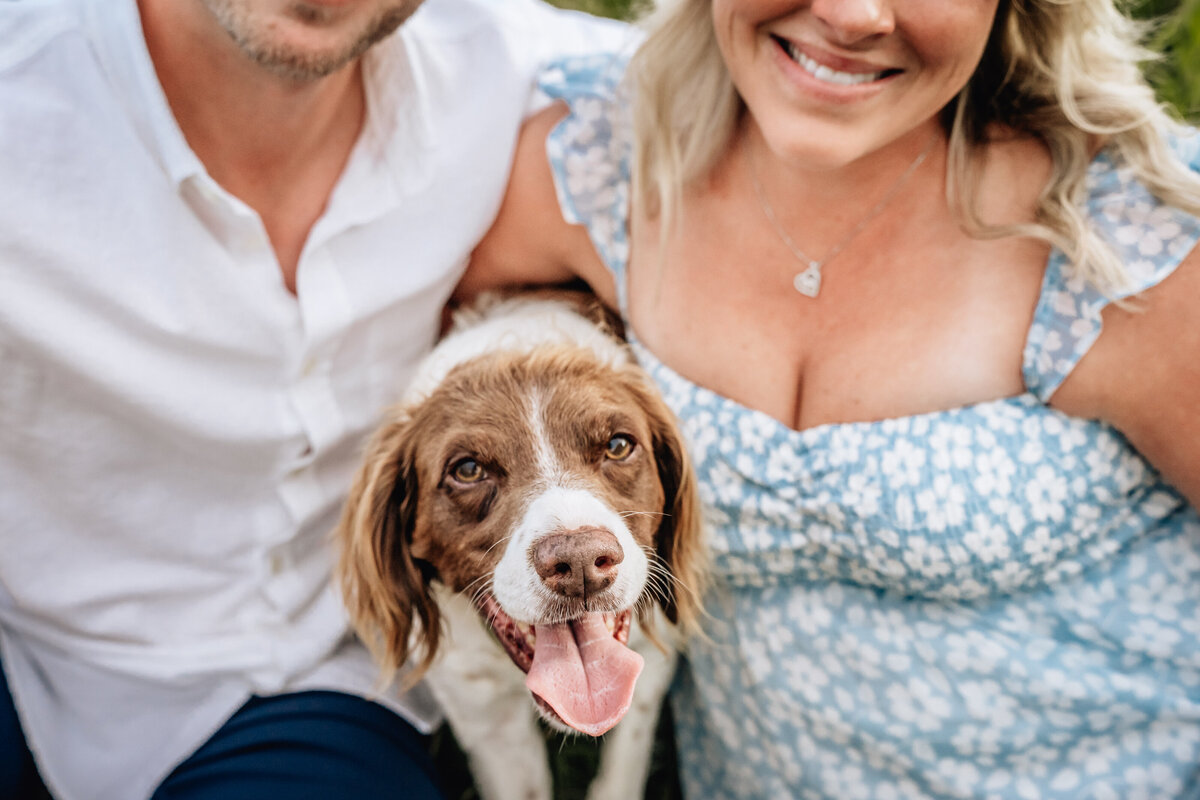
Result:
<point x="824" y="73"/>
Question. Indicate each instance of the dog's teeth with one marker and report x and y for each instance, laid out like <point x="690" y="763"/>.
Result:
<point x="528" y="633"/>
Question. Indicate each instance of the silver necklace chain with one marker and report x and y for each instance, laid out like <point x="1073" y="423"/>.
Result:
<point x="808" y="280"/>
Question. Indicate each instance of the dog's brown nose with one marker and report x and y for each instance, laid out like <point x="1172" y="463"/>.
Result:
<point x="578" y="563"/>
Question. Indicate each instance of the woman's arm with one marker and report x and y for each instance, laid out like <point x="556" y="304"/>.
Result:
<point x="530" y="242"/>
<point x="1143" y="376"/>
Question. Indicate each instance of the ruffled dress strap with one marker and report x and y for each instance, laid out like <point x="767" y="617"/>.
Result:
<point x="1151" y="238"/>
<point x="590" y="152"/>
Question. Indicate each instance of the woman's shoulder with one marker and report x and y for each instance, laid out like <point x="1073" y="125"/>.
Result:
<point x="598" y="119"/>
<point x="558" y="219"/>
<point x="590" y="149"/>
<point x="1117" y="198"/>
<point x="1150" y="233"/>
<point x="1151" y="237"/>
<point x="596" y="75"/>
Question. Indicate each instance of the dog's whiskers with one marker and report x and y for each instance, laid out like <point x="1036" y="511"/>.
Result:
<point x="477" y="588"/>
<point x="657" y="579"/>
<point x="660" y="579"/>
<point x="478" y="579"/>
<point x="657" y="588"/>
<point x="642" y="514"/>
<point x="498" y="542"/>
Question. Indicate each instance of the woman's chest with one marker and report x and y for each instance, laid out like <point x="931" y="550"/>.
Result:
<point x="901" y="326"/>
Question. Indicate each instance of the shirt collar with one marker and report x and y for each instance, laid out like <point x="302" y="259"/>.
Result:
<point x="394" y="137"/>
<point x="122" y="52"/>
<point x="398" y="125"/>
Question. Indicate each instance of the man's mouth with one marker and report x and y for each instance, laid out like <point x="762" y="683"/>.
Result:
<point x="579" y="671"/>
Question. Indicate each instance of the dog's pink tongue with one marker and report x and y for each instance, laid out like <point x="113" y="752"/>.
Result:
<point x="583" y="673"/>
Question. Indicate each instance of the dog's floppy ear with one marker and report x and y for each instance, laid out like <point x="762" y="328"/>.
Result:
<point x="386" y="589"/>
<point x="680" y="546"/>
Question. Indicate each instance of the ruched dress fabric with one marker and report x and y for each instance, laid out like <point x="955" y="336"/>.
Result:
<point x="993" y="601"/>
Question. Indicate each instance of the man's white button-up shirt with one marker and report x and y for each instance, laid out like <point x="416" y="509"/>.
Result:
<point x="177" y="430"/>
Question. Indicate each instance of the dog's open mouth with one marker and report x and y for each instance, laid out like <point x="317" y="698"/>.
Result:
<point x="580" y="671"/>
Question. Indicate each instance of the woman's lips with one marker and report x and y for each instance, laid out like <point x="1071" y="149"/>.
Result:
<point x="837" y="74"/>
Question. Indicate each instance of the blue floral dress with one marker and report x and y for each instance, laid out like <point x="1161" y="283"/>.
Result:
<point x="993" y="601"/>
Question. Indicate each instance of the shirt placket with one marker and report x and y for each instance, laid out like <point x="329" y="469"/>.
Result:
<point x="312" y="396"/>
<point x="311" y="419"/>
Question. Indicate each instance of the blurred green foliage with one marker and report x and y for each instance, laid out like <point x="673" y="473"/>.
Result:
<point x="1177" y="76"/>
<point x="1176" y="36"/>
<point x="618" y="9"/>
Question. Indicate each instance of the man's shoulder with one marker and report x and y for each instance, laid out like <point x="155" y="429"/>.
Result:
<point x="27" y="27"/>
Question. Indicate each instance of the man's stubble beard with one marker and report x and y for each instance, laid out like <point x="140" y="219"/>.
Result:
<point x="296" y="64"/>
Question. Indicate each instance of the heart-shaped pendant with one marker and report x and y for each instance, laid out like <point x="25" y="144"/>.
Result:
<point x="808" y="283"/>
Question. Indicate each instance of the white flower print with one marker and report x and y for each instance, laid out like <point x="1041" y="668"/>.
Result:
<point x="1045" y="495"/>
<point x="1153" y="638"/>
<point x="917" y="702"/>
<point x="862" y="495"/>
<point x="804" y="674"/>
<point x="1158" y="597"/>
<point x="925" y="559"/>
<point x="904" y="462"/>
<point x="1041" y="545"/>
<point x="987" y="540"/>
<point x="1031" y="452"/>
<point x="943" y="504"/>
<point x="975" y="652"/>
<point x="905" y="512"/>
<point x="1093" y="754"/>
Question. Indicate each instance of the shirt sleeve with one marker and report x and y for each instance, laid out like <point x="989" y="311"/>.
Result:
<point x="1150" y="237"/>
<point x="590" y="152"/>
<point x="562" y="34"/>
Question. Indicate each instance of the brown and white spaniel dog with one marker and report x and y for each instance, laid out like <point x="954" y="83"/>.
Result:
<point x="526" y="508"/>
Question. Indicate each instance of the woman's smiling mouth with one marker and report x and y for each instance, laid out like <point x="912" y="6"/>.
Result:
<point x="826" y="73"/>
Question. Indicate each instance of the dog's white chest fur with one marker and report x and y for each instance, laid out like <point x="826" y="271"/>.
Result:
<point x="488" y="708"/>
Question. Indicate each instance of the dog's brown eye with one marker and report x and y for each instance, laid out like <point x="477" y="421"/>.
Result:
<point x="619" y="447"/>
<point x="467" y="471"/>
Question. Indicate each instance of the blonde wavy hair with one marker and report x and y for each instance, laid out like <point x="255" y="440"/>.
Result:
<point x="1065" y="71"/>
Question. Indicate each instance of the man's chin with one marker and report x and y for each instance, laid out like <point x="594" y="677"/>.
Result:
<point x="302" y="66"/>
<point x="312" y="40"/>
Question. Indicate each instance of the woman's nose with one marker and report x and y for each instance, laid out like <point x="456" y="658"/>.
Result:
<point x="851" y="21"/>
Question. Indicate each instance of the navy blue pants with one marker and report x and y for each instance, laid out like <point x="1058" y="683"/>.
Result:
<point x="302" y="746"/>
<point x="18" y="775"/>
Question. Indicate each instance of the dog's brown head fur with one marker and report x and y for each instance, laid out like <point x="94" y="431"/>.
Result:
<point x="443" y="482"/>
